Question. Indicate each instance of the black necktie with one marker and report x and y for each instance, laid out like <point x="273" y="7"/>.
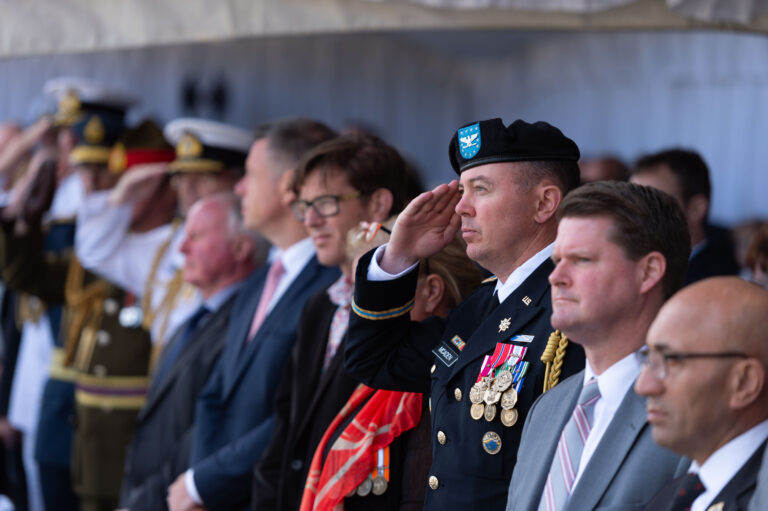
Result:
<point x="690" y="488"/>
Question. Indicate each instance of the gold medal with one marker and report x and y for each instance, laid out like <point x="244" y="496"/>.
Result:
<point x="365" y="487"/>
<point x="492" y="442"/>
<point x="476" y="394"/>
<point x="509" y="399"/>
<point x="379" y="485"/>
<point x="509" y="417"/>
<point x="491" y="397"/>
<point x="490" y="412"/>
<point x="503" y="381"/>
<point x="477" y="410"/>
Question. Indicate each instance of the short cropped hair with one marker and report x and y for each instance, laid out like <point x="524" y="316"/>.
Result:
<point x="688" y="167"/>
<point x="565" y="173"/>
<point x="290" y="139"/>
<point x="644" y="220"/>
<point x="367" y="162"/>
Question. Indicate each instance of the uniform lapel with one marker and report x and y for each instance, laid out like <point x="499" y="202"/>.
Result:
<point x="515" y="309"/>
<point x="622" y="433"/>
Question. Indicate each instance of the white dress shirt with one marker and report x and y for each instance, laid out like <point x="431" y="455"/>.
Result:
<point x="614" y="383"/>
<point x="502" y="290"/>
<point x="725" y="462"/>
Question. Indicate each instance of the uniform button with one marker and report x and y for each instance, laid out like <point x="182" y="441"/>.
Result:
<point x="434" y="366"/>
<point x="296" y="465"/>
<point x="111" y="306"/>
<point x="103" y="337"/>
<point x="100" y="371"/>
<point x="441" y="437"/>
<point x="433" y="482"/>
<point x="457" y="393"/>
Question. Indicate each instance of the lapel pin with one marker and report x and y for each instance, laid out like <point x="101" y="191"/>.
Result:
<point x="504" y="324"/>
<point x="527" y="300"/>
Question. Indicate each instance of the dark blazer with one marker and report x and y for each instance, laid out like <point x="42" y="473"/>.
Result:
<point x="161" y="442"/>
<point x="625" y="471"/>
<point x="235" y="411"/>
<point x="308" y="399"/>
<point x="733" y="497"/>
<point x="386" y="350"/>
<point x="715" y="258"/>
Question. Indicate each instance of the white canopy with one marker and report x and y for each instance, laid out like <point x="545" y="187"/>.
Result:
<point x="38" y="27"/>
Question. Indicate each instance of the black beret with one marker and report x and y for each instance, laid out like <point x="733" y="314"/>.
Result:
<point x="490" y="142"/>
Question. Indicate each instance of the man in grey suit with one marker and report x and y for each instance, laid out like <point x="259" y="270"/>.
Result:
<point x="219" y="256"/>
<point x="621" y="250"/>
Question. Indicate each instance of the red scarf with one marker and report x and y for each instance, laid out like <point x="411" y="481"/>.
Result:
<point x="385" y="416"/>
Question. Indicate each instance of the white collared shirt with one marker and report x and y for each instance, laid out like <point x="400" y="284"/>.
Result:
<point x="725" y="462"/>
<point x="522" y="272"/>
<point x="614" y="383"/>
<point x="503" y="290"/>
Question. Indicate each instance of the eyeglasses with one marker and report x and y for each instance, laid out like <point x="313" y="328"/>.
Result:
<point x="658" y="361"/>
<point x="325" y="205"/>
<point x="369" y="231"/>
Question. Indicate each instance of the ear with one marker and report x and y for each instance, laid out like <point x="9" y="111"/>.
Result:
<point x="696" y="209"/>
<point x="548" y="197"/>
<point x="746" y="380"/>
<point x="285" y="188"/>
<point x="651" y="269"/>
<point x="433" y="293"/>
<point x="242" y="247"/>
<point x="379" y="205"/>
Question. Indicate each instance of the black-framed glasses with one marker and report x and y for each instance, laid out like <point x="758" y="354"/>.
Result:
<point x="657" y="361"/>
<point x="325" y="205"/>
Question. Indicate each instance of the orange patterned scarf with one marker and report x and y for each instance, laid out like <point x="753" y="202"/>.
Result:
<point x="385" y="416"/>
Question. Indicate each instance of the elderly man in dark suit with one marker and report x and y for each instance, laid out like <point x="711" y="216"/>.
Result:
<point x="235" y="411"/>
<point x="706" y="362"/>
<point x="621" y="251"/>
<point x="220" y="255"/>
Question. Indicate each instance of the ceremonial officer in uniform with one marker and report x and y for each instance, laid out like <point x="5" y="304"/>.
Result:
<point x="39" y="321"/>
<point x="108" y="346"/>
<point x="485" y="364"/>
<point x="210" y="158"/>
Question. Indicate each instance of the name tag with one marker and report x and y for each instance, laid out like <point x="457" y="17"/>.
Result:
<point x="446" y="354"/>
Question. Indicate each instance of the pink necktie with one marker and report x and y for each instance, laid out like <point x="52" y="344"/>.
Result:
<point x="274" y="274"/>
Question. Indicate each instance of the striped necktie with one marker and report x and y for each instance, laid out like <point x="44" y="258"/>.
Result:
<point x="565" y="463"/>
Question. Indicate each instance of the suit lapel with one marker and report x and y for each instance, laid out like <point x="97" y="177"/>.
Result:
<point x="514" y="309"/>
<point x="743" y="482"/>
<point x="242" y="314"/>
<point x="550" y="429"/>
<point x="274" y="319"/>
<point x="196" y="344"/>
<point x="621" y="435"/>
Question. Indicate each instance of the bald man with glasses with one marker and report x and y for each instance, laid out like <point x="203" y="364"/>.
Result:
<point x="704" y="376"/>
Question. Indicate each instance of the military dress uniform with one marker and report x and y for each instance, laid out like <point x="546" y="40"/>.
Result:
<point x="483" y="366"/>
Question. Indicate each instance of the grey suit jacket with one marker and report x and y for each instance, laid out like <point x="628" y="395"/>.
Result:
<point x="625" y="471"/>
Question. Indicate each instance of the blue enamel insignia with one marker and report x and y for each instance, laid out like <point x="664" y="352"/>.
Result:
<point x="469" y="141"/>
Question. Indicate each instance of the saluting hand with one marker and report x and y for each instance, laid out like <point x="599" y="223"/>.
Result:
<point x="141" y="182"/>
<point x="425" y="227"/>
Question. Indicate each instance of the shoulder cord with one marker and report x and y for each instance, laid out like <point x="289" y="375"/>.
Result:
<point x="553" y="356"/>
<point x="81" y="300"/>
<point x="148" y="314"/>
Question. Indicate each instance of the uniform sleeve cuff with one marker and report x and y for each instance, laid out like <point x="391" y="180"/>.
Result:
<point x="377" y="274"/>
